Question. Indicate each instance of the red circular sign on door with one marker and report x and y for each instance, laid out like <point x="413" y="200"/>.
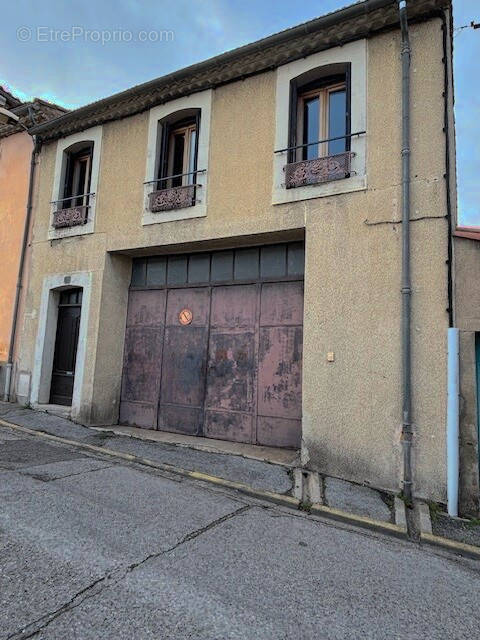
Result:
<point x="185" y="316"/>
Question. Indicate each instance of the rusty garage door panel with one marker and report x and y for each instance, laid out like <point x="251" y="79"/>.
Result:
<point x="185" y="359"/>
<point x="237" y="427"/>
<point x="142" y="358"/>
<point x="280" y="364"/>
<point x="231" y="363"/>
<point x="208" y="355"/>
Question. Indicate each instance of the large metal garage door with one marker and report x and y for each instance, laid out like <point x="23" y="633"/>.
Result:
<point x="213" y="345"/>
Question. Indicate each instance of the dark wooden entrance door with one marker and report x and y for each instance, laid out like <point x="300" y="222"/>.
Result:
<point x="66" y="342"/>
<point x="213" y="345"/>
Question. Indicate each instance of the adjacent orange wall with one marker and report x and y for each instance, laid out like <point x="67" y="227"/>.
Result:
<point x="15" y="154"/>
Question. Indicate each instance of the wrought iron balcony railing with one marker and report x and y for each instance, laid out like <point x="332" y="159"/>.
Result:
<point x="72" y="211"/>
<point x="317" y="170"/>
<point x="169" y="197"/>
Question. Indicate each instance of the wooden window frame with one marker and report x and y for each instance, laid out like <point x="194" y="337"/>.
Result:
<point x="187" y="131"/>
<point x="72" y="188"/>
<point x="323" y="95"/>
<point x="165" y="165"/>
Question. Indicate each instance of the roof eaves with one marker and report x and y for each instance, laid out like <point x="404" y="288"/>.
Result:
<point x="350" y="23"/>
<point x="27" y="111"/>
<point x="472" y="233"/>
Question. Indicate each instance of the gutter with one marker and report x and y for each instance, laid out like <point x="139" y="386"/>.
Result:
<point x="407" y="426"/>
<point x="453" y="355"/>
<point x="407" y="431"/>
<point x="26" y="230"/>
<point x="447" y="30"/>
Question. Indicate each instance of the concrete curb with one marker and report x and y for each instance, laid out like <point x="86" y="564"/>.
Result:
<point x="459" y="548"/>
<point x="359" y="521"/>
<point x="427" y="537"/>
<point x="269" y="496"/>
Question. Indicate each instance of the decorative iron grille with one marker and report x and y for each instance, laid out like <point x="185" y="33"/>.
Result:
<point x="336" y="167"/>
<point x="173" y="198"/>
<point x="70" y="217"/>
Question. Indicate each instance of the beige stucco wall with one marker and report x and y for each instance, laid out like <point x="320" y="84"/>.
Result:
<point x="352" y="407"/>
<point x="15" y="153"/>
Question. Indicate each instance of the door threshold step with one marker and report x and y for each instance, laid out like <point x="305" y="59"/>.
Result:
<point x="274" y="455"/>
<point x="61" y="410"/>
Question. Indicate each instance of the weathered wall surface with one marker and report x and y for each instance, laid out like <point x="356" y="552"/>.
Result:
<point x="15" y="153"/>
<point x="352" y="406"/>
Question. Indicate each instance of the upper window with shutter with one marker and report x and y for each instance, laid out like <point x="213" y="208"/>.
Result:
<point x="176" y="179"/>
<point x="321" y="124"/>
<point x="319" y="149"/>
<point x="176" y="184"/>
<point x="77" y="168"/>
<point x="178" y="153"/>
<point x="78" y="173"/>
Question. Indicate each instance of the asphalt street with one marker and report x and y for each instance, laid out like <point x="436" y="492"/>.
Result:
<point x="91" y="548"/>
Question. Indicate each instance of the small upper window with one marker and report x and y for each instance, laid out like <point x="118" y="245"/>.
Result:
<point x="77" y="168"/>
<point x="78" y="173"/>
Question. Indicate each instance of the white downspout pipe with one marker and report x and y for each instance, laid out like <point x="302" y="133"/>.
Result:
<point x="453" y="406"/>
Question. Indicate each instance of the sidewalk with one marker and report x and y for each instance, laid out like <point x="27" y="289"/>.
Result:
<point x="464" y="530"/>
<point x="264" y="472"/>
<point x="277" y="472"/>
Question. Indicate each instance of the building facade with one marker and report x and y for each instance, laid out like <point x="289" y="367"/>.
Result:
<point x="16" y="147"/>
<point x="218" y="252"/>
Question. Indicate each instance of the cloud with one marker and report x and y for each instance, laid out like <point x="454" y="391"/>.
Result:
<point x="76" y="73"/>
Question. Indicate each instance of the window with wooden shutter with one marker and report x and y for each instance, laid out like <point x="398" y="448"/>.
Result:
<point x="319" y="130"/>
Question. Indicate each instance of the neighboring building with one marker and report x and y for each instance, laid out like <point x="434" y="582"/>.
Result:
<point x="16" y="146"/>
<point x="195" y="234"/>
<point x="467" y="319"/>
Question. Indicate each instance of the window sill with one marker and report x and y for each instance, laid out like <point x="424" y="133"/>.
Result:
<point x="68" y="232"/>
<point x="282" y="195"/>
<point x="195" y="211"/>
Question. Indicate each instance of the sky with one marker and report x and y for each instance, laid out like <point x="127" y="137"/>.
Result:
<point x="74" y="52"/>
